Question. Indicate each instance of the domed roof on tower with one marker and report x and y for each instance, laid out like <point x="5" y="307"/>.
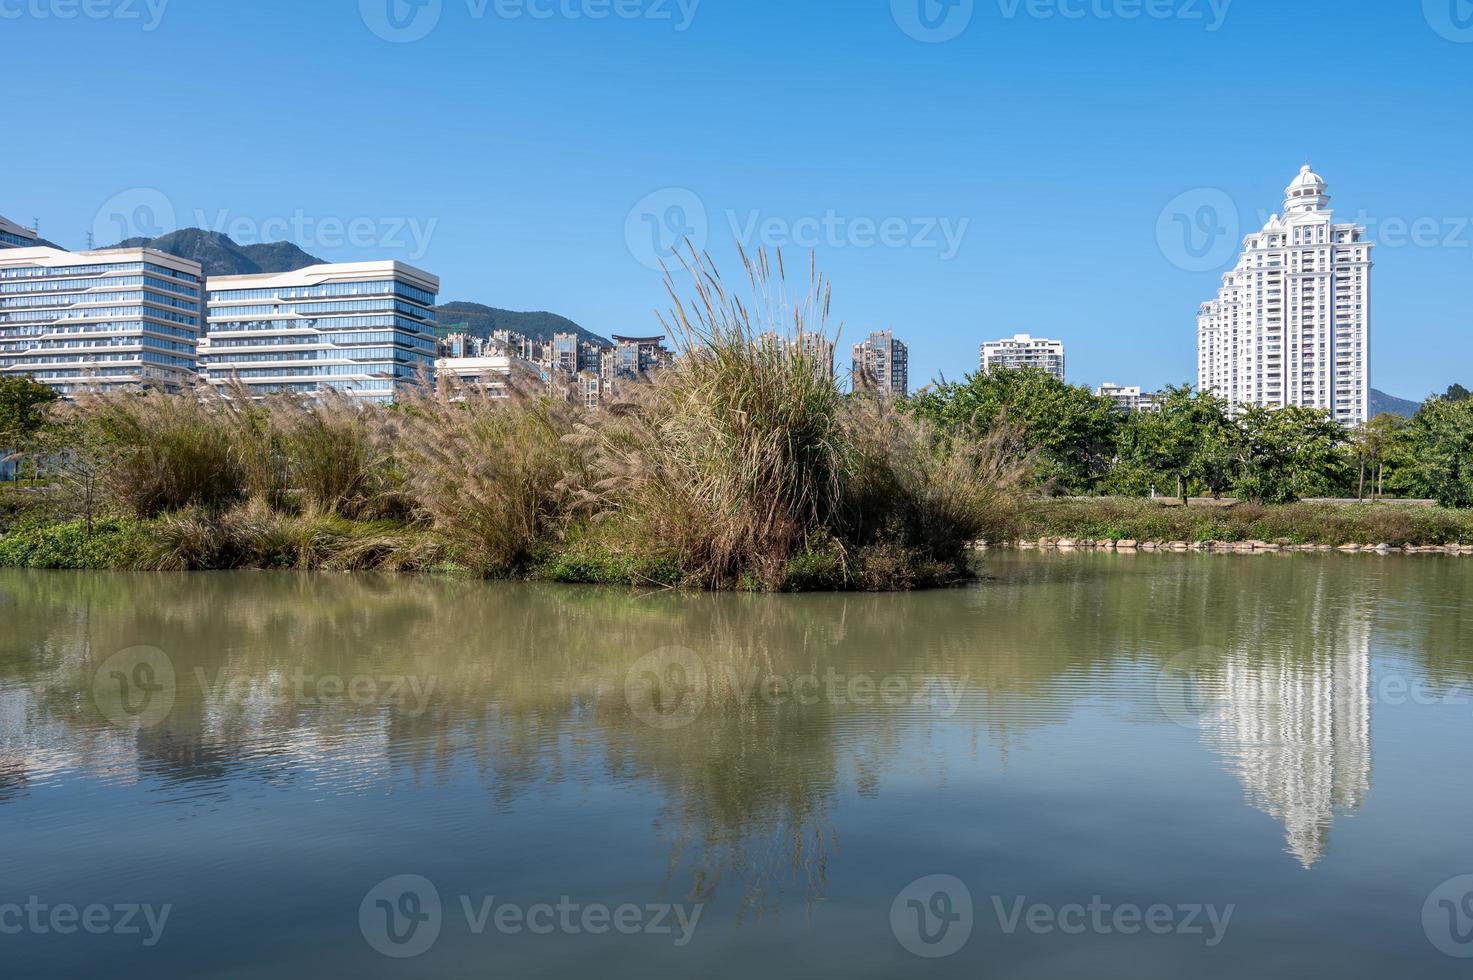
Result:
<point x="1306" y="193"/>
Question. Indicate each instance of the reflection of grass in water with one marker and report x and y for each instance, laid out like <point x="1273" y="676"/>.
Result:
<point x="529" y="680"/>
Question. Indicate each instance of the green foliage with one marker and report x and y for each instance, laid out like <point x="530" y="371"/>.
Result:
<point x="1072" y="432"/>
<point x="1188" y="446"/>
<point x="1438" y="450"/>
<point x="1117" y="519"/>
<point x="1289" y="453"/>
<point x="23" y="410"/>
<point x="591" y="563"/>
<point x="108" y="545"/>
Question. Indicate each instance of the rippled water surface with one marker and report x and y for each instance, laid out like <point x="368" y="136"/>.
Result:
<point x="1086" y="765"/>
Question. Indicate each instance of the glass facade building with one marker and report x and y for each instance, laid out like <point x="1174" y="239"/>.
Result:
<point x="99" y="320"/>
<point x="366" y="329"/>
<point x="13" y="235"/>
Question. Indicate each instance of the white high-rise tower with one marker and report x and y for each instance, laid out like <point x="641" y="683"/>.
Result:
<point x="1292" y="322"/>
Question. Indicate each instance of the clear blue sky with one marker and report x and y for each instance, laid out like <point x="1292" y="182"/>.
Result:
<point x="526" y="145"/>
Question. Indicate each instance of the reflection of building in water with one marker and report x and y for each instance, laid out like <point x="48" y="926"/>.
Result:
<point x="1296" y="727"/>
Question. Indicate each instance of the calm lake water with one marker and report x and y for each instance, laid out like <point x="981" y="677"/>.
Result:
<point x="1087" y="765"/>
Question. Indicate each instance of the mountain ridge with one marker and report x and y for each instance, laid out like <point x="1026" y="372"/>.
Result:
<point x="220" y="255"/>
<point x="1384" y="404"/>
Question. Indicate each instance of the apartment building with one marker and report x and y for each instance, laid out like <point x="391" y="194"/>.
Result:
<point x="1024" y="351"/>
<point x="1127" y="398"/>
<point x="882" y="362"/>
<point x="1291" y="324"/>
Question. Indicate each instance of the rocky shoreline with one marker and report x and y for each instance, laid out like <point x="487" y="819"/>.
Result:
<point x="1281" y="546"/>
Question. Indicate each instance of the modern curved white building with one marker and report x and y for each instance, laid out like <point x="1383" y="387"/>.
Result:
<point x="99" y="320"/>
<point x="366" y="329"/>
<point x="1291" y="324"/>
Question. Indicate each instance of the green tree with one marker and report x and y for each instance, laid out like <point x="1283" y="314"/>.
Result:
<point x="1439" y="444"/>
<point x="77" y="452"/>
<point x="1289" y="453"/>
<point x="24" y="406"/>
<point x="1072" y="431"/>
<point x="1187" y="445"/>
<point x="1457" y="393"/>
<point x="1372" y="447"/>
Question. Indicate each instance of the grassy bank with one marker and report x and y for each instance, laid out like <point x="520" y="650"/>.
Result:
<point x="743" y="466"/>
<point x="1120" y="519"/>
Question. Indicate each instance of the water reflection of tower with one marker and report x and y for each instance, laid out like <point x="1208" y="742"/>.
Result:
<point x="1295" y="725"/>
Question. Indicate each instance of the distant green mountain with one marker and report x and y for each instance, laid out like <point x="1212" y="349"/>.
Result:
<point x="1384" y="404"/>
<point x="221" y="256"/>
<point x="480" y="320"/>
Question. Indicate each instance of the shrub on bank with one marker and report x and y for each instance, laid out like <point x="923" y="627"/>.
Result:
<point x="114" y="544"/>
<point x="1143" y="520"/>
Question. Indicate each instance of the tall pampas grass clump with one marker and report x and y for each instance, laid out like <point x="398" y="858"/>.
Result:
<point x="746" y="464"/>
<point x="490" y="475"/>
<point x="730" y="461"/>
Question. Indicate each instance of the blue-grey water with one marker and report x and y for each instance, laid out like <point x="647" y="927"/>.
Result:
<point x="1083" y="765"/>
